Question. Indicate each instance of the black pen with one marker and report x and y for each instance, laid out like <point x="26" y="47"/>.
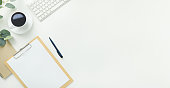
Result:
<point x="56" y="48"/>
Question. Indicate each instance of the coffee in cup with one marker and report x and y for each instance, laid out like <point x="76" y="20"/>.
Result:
<point x="20" y="22"/>
<point x="18" y="19"/>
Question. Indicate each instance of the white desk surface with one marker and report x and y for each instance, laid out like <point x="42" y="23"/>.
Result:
<point x="107" y="43"/>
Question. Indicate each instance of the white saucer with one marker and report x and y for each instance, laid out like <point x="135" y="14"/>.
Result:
<point x="23" y="29"/>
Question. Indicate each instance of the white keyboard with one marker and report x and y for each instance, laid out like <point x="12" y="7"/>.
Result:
<point x="44" y="8"/>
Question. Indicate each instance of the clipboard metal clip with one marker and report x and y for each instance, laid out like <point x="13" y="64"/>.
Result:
<point x="22" y="51"/>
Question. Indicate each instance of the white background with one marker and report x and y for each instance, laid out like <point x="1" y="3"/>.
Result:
<point x="107" y="43"/>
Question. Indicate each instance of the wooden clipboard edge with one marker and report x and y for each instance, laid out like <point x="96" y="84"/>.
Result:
<point x="13" y="72"/>
<point x="54" y="58"/>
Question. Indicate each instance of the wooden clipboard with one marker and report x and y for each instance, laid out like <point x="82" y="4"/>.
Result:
<point x="56" y="61"/>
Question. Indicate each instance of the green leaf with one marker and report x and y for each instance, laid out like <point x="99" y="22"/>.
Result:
<point x="8" y="37"/>
<point x="0" y="2"/>
<point x="9" y="5"/>
<point x="4" y="33"/>
<point x="12" y="0"/>
<point x="1" y="16"/>
<point x="2" y="42"/>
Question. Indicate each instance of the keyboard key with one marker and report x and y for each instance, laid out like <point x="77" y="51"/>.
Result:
<point x="48" y="12"/>
<point x="43" y="8"/>
<point x="39" y="14"/>
<point x="40" y="17"/>
<point x="34" y="9"/>
<point x="58" y="5"/>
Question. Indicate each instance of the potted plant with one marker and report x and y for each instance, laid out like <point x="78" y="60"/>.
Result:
<point x="5" y="34"/>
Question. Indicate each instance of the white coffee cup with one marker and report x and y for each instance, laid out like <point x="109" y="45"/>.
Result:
<point x="20" y="22"/>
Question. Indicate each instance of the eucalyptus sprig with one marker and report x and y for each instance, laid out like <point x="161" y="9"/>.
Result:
<point x="4" y="36"/>
<point x="6" y="3"/>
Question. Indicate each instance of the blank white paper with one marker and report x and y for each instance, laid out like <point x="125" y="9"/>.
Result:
<point x="37" y="69"/>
